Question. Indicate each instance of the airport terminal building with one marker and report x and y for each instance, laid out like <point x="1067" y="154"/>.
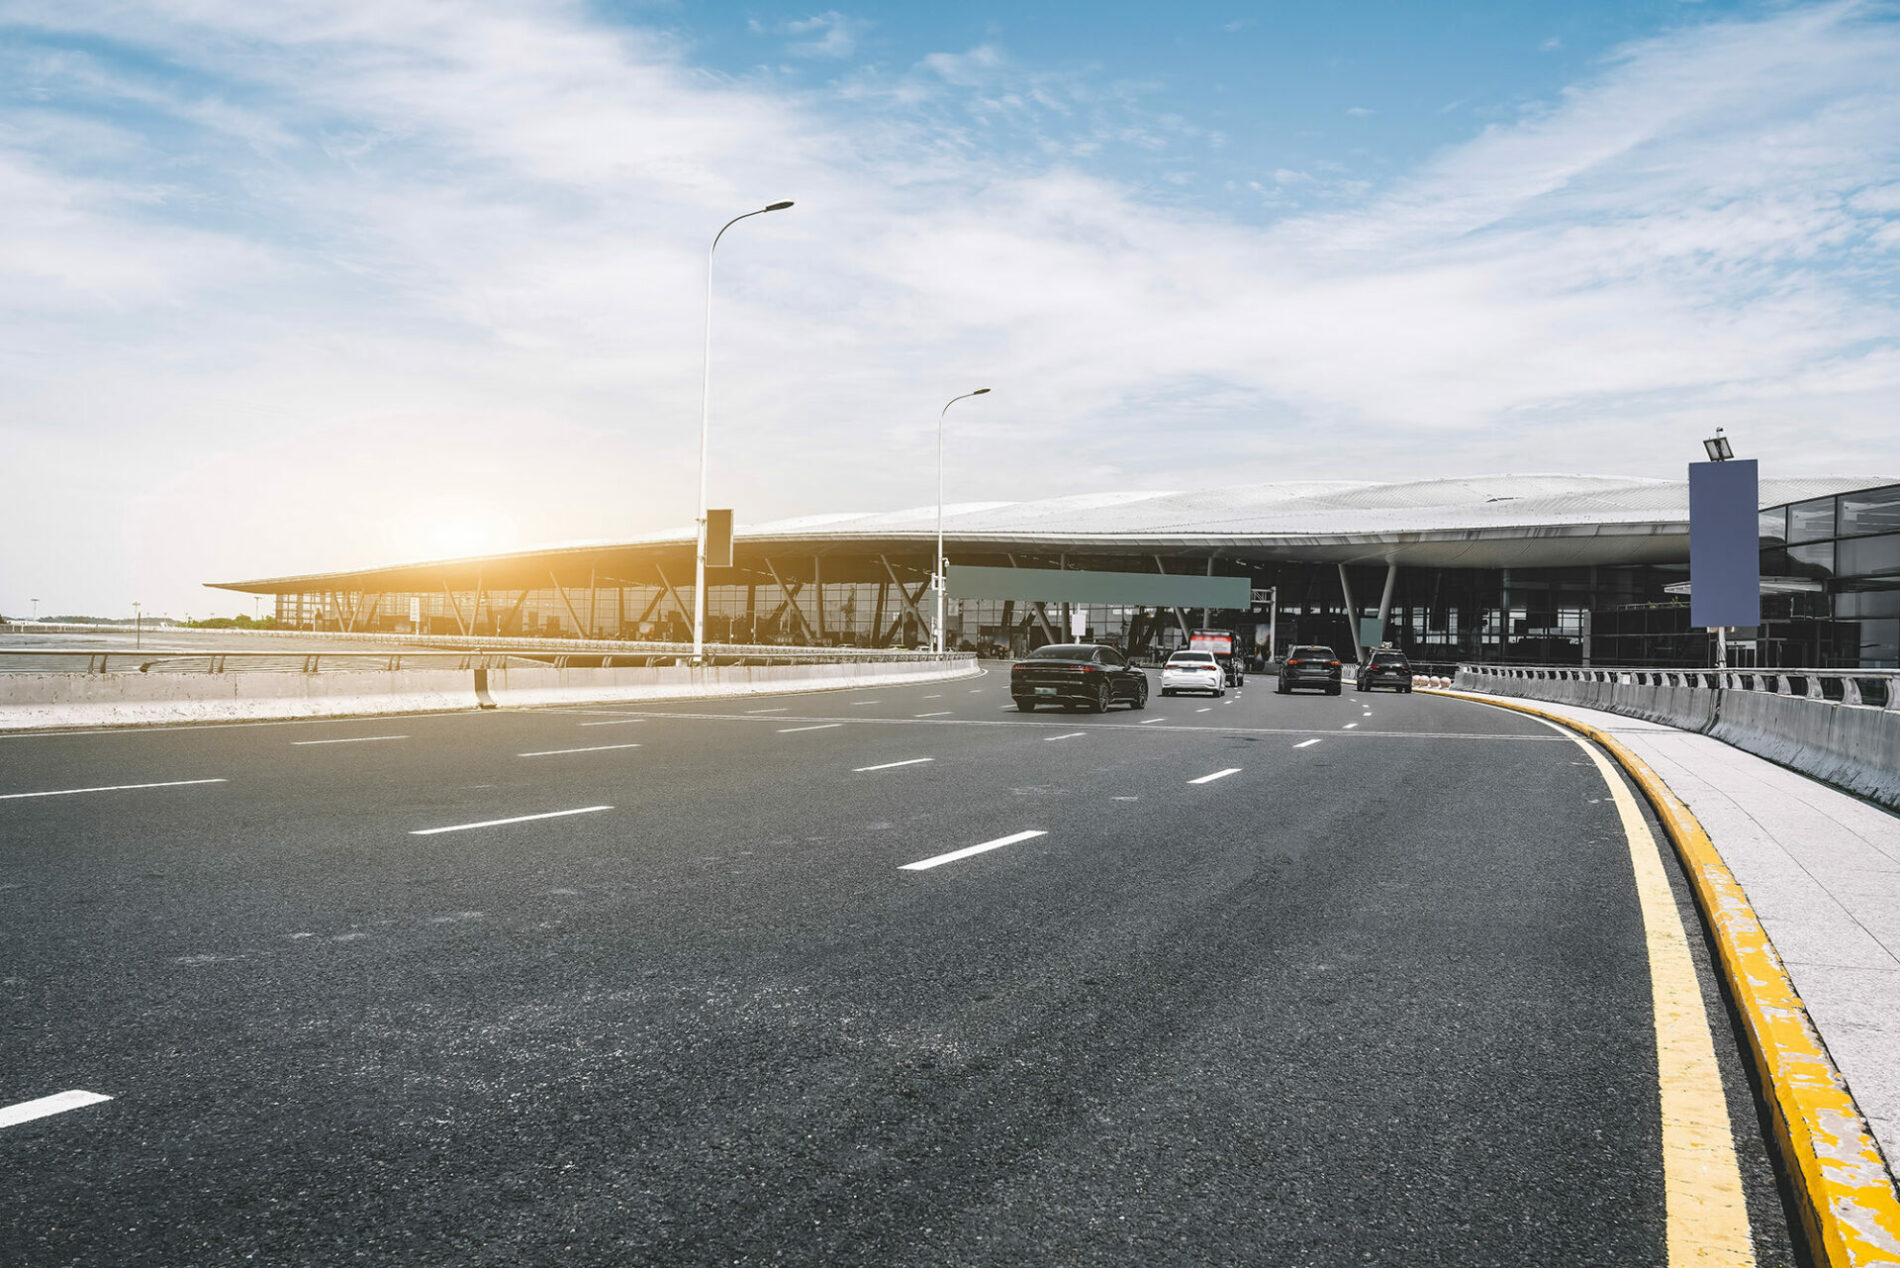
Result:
<point x="1541" y="569"/>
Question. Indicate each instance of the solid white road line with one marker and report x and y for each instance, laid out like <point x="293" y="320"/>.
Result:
<point x="58" y="1103"/>
<point x="1219" y="774"/>
<point x="1306" y="744"/>
<point x="1070" y="735"/>
<point x="595" y="748"/>
<point x="967" y="851"/>
<point x="496" y="823"/>
<point x="784" y="708"/>
<point x="859" y="770"/>
<point x="941" y="713"/>
<point x="353" y="739"/>
<point x="68" y="792"/>
<point x="619" y="722"/>
<point x="822" y="726"/>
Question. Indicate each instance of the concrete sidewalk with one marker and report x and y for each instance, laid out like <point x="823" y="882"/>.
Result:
<point x="1822" y="871"/>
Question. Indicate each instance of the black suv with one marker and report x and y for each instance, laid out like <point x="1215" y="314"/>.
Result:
<point x="1077" y="674"/>
<point x="1386" y="669"/>
<point x="1310" y="667"/>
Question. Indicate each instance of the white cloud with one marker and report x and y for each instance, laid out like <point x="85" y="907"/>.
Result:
<point x="1360" y="112"/>
<point x="828" y="34"/>
<point x="455" y="255"/>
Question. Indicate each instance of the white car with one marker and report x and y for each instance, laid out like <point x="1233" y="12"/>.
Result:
<point x="1193" y="671"/>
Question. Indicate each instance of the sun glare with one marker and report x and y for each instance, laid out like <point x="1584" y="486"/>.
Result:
<point x="462" y="536"/>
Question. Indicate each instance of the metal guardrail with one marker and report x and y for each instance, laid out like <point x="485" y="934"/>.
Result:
<point x="542" y="655"/>
<point x="734" y="653"/>
<point x="1874" y="688"/>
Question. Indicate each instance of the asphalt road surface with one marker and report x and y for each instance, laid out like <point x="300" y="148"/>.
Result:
<point x="1289" y="981"/>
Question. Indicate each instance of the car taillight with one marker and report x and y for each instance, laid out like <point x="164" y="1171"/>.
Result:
<point x="1292" y="663"/>
<point x="1089" y="669"/>
<point x="1333" y="663"/>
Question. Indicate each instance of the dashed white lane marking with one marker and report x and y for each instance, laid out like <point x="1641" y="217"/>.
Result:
<point x="910" y="761"/>
<point x="856" y="703"/>
<point x="967" y="851"/>
<point x="1306" y="744"/>
<point x="625" y="721"/>
<point x="822" y="726"/>
<point x="941" y="713"/>
<point x="350" y="739"/>
<point x="935" y="695"/>
<point x="45" y="1106"/>
<point x="1147" y="721"/>
<point x="1219" y="774"/>
<point x="1208" y="709"/>
<point x="1067" y="735"/>
<point x="976" y="691"/>
<point x="592" y="748"/>
<point x="1349" y="726"/>
<point x="68" y="792"/>
<point x="784" y="708"/>
<point x="496" y="823"/>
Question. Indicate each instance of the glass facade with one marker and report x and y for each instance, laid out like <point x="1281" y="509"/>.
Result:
<point x="1850" y="547"/>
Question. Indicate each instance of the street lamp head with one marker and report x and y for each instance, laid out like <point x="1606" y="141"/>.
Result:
<point x="979" y="391"/>
<point x="1717" y="447"/>
<point x="779" y="206"/>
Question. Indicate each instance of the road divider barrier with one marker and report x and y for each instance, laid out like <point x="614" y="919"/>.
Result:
<point x="37" y="701"/>
<point x="1840" y="726"/>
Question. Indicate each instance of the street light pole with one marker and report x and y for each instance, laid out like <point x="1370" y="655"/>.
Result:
<point x="938" y="565"/>
<point x="705" y="414"/>
<point x="138" y="626"/>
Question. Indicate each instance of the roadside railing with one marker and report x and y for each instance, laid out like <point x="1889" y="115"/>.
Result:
<point x="538" y="653"/>
<point x="721" y="653"/>
<point x="1876" y="688"/>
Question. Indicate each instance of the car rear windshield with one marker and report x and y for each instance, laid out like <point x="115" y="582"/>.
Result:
<point x="1062" y="651"/>
<point x="1191" y="658"/>
<point x="1388" y="658"/>
<point x="1311" y="653"/>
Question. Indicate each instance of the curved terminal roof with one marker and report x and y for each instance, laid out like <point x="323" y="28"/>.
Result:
<point x="1502" y="521"/>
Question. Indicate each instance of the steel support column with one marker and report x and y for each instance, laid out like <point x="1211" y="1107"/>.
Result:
<point x="1352" y="615"/>
<point x="1385" y="599"/>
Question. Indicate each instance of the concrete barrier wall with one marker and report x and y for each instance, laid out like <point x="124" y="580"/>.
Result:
<point x="528" y="686"/>
<point x="41" y="701"/>
<point x="1853" y="746"/>
<point x="1856" y="747"/>
<point x="29" y="701"/>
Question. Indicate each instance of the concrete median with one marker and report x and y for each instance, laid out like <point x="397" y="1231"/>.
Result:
<point x="58" y="701"/>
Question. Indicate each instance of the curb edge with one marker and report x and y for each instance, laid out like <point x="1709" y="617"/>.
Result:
<point x="1850" y="1208"/>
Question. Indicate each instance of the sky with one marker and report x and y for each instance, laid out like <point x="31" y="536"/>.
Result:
<point x="294" y="287"/>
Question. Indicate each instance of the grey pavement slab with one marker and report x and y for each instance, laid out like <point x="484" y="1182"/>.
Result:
<point x="1822" y="869"/>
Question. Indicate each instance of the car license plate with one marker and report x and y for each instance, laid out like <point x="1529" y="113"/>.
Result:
<point x="1045" y="691"/>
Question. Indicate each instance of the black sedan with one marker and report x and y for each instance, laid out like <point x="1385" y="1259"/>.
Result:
<point x="1310" y="667"/>
<point x="1386" y="669"/>
<point x="1077" y="675"/>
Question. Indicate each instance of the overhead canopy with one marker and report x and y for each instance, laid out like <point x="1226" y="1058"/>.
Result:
<point x="1536" y="521"/>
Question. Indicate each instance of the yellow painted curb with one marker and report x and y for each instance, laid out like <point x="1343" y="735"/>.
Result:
<point x="1848" y="1202"/>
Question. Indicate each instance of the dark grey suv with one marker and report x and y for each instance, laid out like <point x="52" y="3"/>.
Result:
<point x="1386" y="669"/>
<point x="1310" y="667"/>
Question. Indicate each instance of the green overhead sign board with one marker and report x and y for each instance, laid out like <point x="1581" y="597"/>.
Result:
<point x="1114" y="589"/>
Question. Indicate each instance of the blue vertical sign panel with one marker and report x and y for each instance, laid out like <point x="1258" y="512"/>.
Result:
<point x="1724" y="555"/>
